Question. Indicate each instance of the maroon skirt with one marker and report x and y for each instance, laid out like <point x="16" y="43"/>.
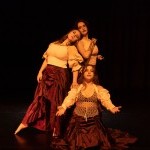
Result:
<point x="49" y="94"/>
<point x="92" y="133"/>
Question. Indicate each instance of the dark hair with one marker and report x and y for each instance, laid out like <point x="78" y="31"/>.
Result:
<point x="81" y="76"/>
<point x="63" y="38"/>
<point x="81" y="20"/>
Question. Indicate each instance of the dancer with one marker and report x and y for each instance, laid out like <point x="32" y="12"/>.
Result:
<point x="87" y="47"/>
<point x="86" y="129"/>
<point x="53" y="84"/>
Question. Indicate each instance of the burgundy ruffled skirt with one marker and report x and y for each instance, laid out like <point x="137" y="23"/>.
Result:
<point x="49" y="94"/>
<point x="83" y="134"/>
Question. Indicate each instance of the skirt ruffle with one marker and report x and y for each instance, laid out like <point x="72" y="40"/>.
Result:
<point x="92" y="133"/>
<point x="49" y="94"/>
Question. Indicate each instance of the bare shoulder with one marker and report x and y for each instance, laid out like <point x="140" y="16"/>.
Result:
<point x="51" y="43"/>
<point x="80" y="42"/>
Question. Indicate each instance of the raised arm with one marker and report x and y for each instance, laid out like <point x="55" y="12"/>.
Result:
<point x="81" y="48"/>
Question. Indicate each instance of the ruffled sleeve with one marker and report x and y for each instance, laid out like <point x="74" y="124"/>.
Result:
<point x="74" y="58"/>
<point x="70" y="98"/>
<point x="45" y="55"/>
<point x="104" y="97"/>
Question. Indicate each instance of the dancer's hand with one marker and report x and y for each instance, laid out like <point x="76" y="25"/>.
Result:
<point x="116" y="109"/>
<point x="100" y="57"/>
<point x="39" y="76"/>
<point x="60" y="111"/>
<point x="93" y="40"/>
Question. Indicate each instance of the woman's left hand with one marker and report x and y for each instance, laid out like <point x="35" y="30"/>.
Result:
<point x="116" y="109"/>
<point x="100" y="57"/>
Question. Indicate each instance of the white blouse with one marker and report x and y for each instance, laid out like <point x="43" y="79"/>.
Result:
<point x="59" y="55"/>
<point x="102" y="95"/>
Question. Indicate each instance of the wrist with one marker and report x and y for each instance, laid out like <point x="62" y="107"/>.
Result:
<point x="74" y="82"/>
<point x="64" y="107"/>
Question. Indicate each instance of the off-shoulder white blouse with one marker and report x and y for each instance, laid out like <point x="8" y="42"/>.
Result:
<point x="60" y="55"/>
<point x="102" y="95"/>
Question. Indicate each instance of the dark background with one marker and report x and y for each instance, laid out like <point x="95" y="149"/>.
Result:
<point x="122" y="28"/>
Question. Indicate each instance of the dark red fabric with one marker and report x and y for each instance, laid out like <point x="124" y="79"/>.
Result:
<point x="49" y="94"/>
<point x="92" y="133"/>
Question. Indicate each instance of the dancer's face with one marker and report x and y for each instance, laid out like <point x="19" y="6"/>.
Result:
<point x="82" y="28"/>
<point x="74" y="36"/>
<point x="89" y="73"/>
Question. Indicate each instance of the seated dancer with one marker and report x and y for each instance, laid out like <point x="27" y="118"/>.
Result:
<point x="86" y="129"/>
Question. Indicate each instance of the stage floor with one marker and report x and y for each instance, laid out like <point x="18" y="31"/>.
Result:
<point x="133" y="118"/>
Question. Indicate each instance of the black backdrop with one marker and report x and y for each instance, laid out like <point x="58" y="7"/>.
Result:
<point x="122" y="28"/>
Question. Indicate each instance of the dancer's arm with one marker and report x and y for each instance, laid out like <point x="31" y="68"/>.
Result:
<point x="68" y="101"/>
<point x="104" y="97"/>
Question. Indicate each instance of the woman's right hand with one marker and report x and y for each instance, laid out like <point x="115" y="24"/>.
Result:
<point x="39" y="76"/>
<point x="93" y="40"/>
<point x="60" y="111"/>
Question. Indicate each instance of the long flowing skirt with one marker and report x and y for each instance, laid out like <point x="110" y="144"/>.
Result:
<point x="82" y="134"/>
<point x="49" y="94"/>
